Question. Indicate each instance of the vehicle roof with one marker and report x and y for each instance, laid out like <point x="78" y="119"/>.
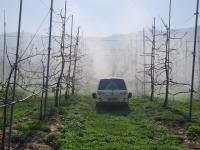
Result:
<point x="112" y="78"/>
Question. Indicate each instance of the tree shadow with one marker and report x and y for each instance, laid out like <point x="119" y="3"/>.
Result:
<point x="113" y="109"/>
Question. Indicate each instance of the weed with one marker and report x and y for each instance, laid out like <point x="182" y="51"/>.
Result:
<point x="193" y="132"/>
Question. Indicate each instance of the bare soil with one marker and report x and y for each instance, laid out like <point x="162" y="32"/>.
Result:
<point x="178" y="128"/>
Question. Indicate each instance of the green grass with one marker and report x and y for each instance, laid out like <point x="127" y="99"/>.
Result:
<point x="177" y="113"/>
<point x="26" y="119"/>
<point x="24" y="130"/>
<point x="86" y="128"/>
<point x="194" y="132"/>
<point x="28" y="110"/>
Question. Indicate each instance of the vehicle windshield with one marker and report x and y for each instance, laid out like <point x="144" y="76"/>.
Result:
<point x="112" y="84"/>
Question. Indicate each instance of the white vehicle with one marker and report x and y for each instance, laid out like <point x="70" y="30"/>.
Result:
<point x="112" y="90"/>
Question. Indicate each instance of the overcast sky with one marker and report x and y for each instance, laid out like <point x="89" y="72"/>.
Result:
<point x="99" y="17"/>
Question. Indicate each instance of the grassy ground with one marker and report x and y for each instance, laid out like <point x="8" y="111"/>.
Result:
<point x="79" y="125"/>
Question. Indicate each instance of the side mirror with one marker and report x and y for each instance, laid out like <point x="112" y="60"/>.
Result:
<point x="129" y="95"/>
<point x="94" y="95"/>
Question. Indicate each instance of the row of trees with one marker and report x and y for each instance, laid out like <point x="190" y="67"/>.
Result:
<point x="36" y="71"/>
<point x="162" y="59"/>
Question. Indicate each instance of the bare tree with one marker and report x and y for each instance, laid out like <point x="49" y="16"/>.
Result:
<point x="68" y="78"/>
<point x="15" y="75"/>
<point x="149" y="68"/>
<point x="3" y="80"/>
<point x="152" y="68"/>
<point x="48" y="61"/>
<point x="43" y="89"/>
<point x="193" y="63"/>
<point x="62" y="53"/>
<point x="167" y="58"/>
<point x="4" y="50"/>
<point x="144" y="73"/>
<point x="75" y="63"/>
<point x="199" y="65"/>
<point x="5" y="102"/>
